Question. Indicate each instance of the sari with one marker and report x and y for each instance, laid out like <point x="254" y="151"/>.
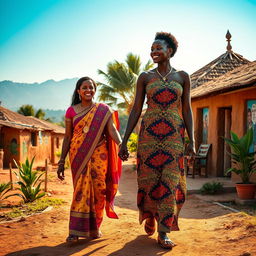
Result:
<point x="95" y="170"/>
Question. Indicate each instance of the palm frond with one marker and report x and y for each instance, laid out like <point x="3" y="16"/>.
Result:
<point x="134" y="63"/>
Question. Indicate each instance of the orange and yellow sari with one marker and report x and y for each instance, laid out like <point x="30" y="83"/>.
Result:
<point x="95" y="170"/>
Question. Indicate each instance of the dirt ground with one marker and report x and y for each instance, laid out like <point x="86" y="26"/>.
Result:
<point x="206" y="229"/>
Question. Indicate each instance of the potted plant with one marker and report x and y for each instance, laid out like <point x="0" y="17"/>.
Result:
<point x="244" y="163"/>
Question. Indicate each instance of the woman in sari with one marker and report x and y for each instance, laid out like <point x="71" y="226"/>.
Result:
<point x="92" y="140"/>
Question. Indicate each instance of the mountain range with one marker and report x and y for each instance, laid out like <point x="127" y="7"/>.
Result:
<point x="52" y="95"/>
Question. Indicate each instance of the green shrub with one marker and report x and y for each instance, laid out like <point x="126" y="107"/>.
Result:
<point x="28" y="182"/>
<point x="4" y="188"/>
<point x="33" y="207"/>
<point x="241" y="155"/>
<point x="133" y="142"/>
<point x="211" y="188"/>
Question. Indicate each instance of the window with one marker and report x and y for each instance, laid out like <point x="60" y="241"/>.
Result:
<point x="33" y="139"/>
<point x="14" y="147"/>
<point x="57" y="142"/>
<point x="1" y="140"/>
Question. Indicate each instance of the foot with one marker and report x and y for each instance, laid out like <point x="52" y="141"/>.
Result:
<point x="164" y="241"/>
<point x="97" y="234"/>
<point x="150" y="226"/>
<point x="72" y="239"/>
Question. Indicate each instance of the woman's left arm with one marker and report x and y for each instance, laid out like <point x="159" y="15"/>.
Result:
<point x="113" y="132"/>
<point x="187" y="113"/>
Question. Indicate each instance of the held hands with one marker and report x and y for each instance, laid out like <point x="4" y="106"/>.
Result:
<point x="123" y="152"/>
<point x="61" y="169"/>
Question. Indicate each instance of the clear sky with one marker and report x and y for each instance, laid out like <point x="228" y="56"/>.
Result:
<point x="58" y="39"/>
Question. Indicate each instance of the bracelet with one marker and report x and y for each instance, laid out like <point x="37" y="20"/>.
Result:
<point x="61" y="164"/>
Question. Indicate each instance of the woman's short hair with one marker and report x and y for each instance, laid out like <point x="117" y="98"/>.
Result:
<point x="169" y="39"/>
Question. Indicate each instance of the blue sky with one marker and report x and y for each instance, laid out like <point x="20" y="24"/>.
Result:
<point x="58" y="39"/>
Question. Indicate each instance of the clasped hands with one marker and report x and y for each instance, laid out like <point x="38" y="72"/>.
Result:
<point x="61" y="169"/>
<point x="123" y="152"/>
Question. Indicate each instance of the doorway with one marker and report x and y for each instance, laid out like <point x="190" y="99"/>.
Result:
<point x="223" y="126"/>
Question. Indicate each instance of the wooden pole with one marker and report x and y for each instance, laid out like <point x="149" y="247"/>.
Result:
<point x="10" y="168"/>
<point x="46" y="175"/>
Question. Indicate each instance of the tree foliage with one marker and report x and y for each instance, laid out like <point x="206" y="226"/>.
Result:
<point x="121" y="78"/>
<point x="28" y="110"/>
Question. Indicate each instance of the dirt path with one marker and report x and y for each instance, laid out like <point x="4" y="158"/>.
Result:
<point x="206" y="229"/>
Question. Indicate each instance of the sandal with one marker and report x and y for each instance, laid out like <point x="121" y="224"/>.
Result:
<point x="149" y="226"/>
<point x="96" y="235"/>
<point x="165" y="242"/>
<point x="72" y="239"/>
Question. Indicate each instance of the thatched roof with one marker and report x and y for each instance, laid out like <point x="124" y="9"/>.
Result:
<point x="56" y="128"/>
<point x="218" y="67"/>
<point x="241" y="77"/>
<point x="15" y="120"/>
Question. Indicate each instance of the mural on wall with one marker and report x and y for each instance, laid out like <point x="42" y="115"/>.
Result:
<point x="251" y="121"/>
<point x="205" y="124"/>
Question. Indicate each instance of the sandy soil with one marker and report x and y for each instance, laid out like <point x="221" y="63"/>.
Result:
<point x="206" y="229"/>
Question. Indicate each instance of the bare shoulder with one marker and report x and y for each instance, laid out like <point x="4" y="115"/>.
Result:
<point x="183" y="74"/>
<point x="144" y="77"/>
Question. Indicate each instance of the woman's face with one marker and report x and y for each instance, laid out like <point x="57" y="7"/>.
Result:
<point x="86" y="90"/>
<point x="160" y="51"/>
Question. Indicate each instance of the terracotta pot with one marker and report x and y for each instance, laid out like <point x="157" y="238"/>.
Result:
<point x="246" y="191"/>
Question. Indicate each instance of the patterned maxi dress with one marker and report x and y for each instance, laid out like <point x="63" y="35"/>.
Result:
<point x="160" y="161"/>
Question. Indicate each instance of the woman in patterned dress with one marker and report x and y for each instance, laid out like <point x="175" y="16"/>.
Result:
<point x="92" y="141"/>
<point x="160" y="155"/>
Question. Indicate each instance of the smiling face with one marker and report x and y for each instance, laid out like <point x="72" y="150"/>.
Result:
<point x="160" y="51"/>
<point x="87" y="90"/>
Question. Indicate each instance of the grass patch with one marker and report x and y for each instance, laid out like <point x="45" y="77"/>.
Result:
<point x="31" y="208"/>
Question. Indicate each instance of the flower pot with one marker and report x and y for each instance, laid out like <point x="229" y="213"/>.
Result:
<point x="246" y="191"/>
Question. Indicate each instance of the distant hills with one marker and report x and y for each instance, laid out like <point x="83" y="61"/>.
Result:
<point x="51" y="95"/>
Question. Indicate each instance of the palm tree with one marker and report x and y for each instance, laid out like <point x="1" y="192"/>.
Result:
<point x="121" y="80"/>
<point x="28" y="110"/>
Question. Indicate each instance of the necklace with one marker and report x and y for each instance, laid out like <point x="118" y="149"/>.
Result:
<point x="164" y="77"/>
<point x="80" y="107"/>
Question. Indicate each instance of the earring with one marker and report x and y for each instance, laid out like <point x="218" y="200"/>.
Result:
<point x="79" y="96"/>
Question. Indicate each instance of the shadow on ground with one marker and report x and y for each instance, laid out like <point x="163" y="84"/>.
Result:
<point x="142" y="245"/>
<point x="63" y="249"/>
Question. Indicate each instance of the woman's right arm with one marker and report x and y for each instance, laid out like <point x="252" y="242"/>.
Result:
<point x="134" y="115"/>
<point x="65" y="148"/>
